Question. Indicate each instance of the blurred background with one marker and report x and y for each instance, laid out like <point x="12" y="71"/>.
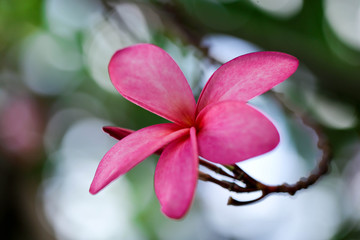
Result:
<point x="55" y="97"/>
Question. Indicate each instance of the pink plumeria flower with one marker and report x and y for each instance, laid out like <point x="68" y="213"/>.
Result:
<point x="221" y="127"/>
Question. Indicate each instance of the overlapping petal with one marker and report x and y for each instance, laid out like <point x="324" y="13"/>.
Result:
<point x="117" y="132"/>
<point x="131" y="150"/>
<point x="232" y="131"/>
<point x="176" y="176"/>
<point x="147" y="76"/>
<point x="246" y="77"/>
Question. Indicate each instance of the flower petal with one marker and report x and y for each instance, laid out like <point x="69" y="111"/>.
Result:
<point x="176" y="176"/>
<point x="132" y="150"/>
<point x="147" y="76"/>
<point x="247" y="76"/>
<point x="117" y="132"/>
<point x="232" y="131"/>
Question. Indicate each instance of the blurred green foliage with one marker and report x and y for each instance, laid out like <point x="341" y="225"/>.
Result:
<point x="18" y="19"/>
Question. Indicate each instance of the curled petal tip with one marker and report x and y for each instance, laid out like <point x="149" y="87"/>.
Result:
<point x="116" y="132"/>
<point x="97" y="185"/>
<point x="171" y="215"/>
<point x="92" y="190"/>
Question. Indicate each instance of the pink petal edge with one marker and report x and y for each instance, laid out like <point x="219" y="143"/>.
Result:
<point x="247" y="76"/>
<point x="231" y="131"/>
<point x="131" y="150"/>
<point x="176" y="176"/>
<point x="147" y="76"/>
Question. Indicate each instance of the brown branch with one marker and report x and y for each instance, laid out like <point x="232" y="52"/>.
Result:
<point x="231" y="186"/>
<point x="252" y="185"/>
<point x="214" y="168"/>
